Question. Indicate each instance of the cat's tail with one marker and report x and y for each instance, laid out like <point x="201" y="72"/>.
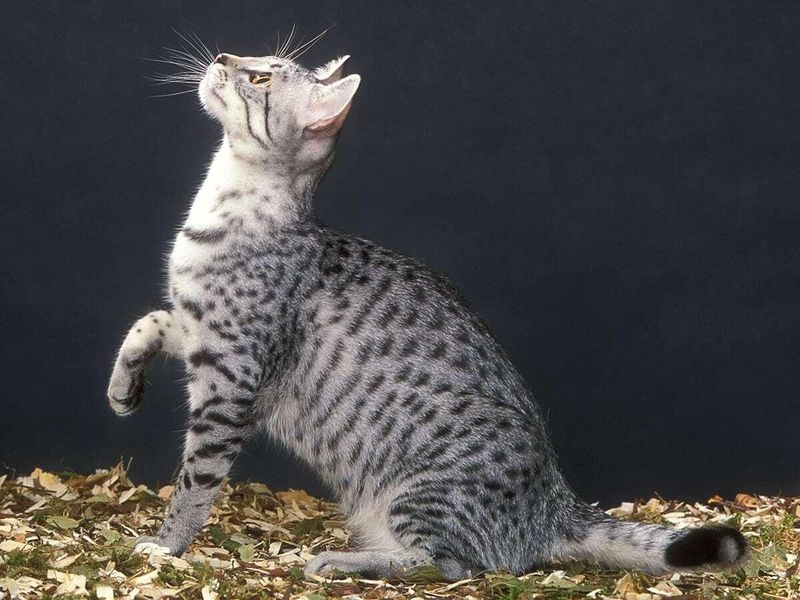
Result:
<point x="651" y="548"/>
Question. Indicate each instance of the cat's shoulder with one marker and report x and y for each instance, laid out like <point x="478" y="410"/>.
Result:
<point x="347" y="253"/>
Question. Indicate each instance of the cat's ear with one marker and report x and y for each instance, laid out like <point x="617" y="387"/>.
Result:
<point x="331" y="71"/>
<point x="328" y="106"/>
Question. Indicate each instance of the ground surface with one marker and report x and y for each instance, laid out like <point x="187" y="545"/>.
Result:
<point x="69" y="535"/>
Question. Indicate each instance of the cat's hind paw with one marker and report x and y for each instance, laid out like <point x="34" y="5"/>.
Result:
<point x="321" y="565"/>
<point x="372" y="564"/>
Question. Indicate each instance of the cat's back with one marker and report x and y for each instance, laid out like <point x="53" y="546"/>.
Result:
<point x="396" y="313"/>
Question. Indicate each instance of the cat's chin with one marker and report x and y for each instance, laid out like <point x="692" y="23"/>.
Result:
<point x="216" y="72"/>
<point x="210" y="93"/>
<point x="214" y="80"/>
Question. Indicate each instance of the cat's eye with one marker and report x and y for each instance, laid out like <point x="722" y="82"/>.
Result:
<point x="260" y="79"/>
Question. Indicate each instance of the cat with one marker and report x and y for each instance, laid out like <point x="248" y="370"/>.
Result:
<point x="361" y="361"/>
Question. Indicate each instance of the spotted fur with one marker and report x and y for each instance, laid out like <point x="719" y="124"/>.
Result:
<point x="363" y="362"/>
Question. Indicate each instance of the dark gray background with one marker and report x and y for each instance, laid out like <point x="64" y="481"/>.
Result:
<point x="613" y="185"/>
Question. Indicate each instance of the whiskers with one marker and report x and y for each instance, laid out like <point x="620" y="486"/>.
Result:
<point x="286" y="51"/>
<point x="192" y="59"/>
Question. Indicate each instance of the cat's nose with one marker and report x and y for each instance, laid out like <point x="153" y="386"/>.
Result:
<point x="222" y="59"/>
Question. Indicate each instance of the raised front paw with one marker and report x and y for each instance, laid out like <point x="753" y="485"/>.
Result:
<point x="125" y="390"/>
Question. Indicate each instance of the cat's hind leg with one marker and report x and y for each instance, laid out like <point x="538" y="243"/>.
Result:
<point x="383" y="564"/>
<point x="368" y="563"/>
<point x="380" y="554"/>
<point x="155" y="332"/>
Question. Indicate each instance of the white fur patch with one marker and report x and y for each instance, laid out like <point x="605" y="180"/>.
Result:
<point x="728" y="550"/>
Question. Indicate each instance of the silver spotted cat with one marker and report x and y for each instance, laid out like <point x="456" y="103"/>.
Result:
<point x="361" y="361"/>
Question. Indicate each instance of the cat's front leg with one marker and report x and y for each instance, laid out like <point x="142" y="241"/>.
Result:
<point x="155" y="332"/>
<point x="221" y="398"/>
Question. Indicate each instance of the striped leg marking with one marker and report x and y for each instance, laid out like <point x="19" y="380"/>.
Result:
<point x="220" y="421"/>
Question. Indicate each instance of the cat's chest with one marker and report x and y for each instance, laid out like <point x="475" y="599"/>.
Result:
<point x="244" y="269"/>
<point x="201" y="261"/>
<point x="206" y="240"/>
<point x="188" y="255"/>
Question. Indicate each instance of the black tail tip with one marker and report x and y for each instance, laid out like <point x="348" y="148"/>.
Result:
<point x="714" y="545"/>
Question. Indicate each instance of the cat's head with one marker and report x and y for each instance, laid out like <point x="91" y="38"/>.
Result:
<point x="276" y="111"/>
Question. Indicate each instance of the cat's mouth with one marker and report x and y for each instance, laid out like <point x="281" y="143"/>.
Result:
<point x="216" y="74"/>
<point x="211" y="90"/>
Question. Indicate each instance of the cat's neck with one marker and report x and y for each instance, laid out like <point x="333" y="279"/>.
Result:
<point x="234" y="185"/>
